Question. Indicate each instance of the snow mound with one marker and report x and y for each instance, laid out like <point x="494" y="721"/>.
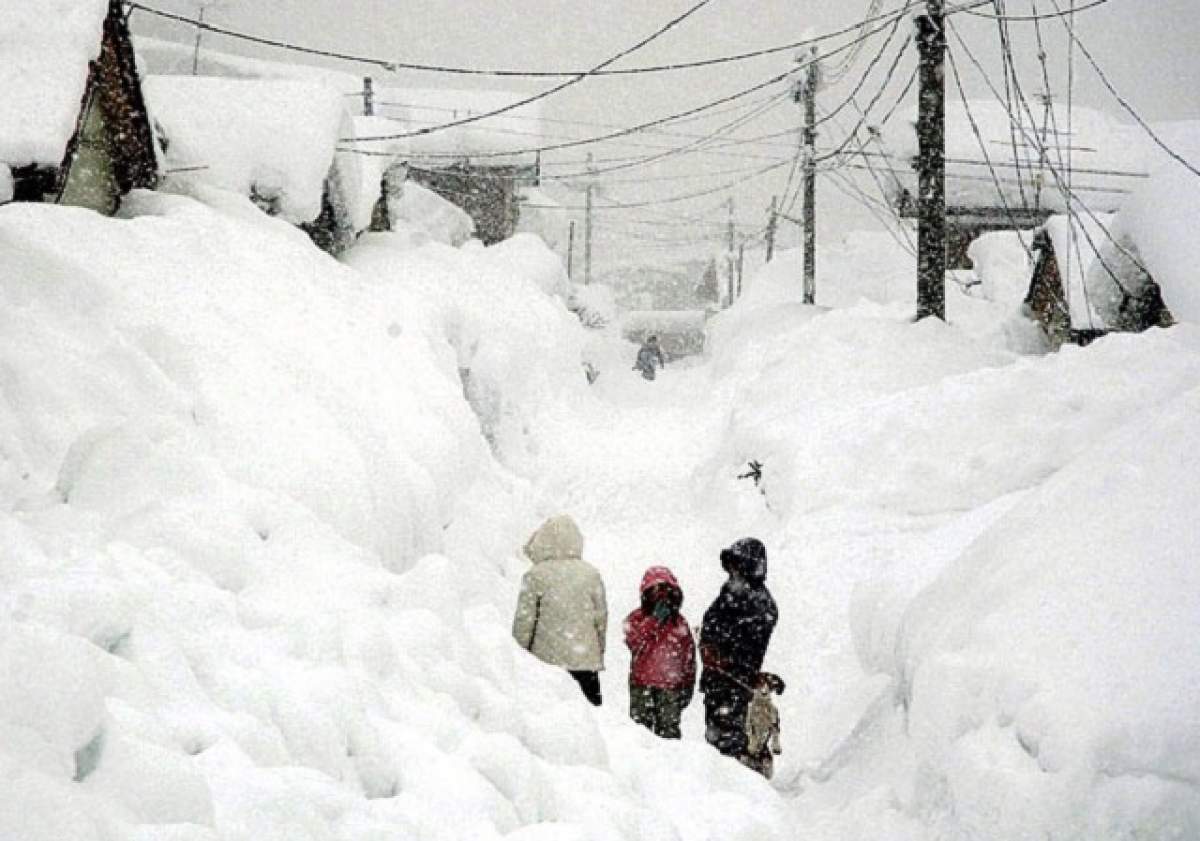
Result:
<point x="45" y="48"/>
<point x="1048" y="666"/>
<point x="259" y="564"/>
<point x="272" y="139"/>
<point x="424" y="216"/>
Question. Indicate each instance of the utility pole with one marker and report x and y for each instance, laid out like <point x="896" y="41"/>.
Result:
<point x="196" y="49"/>
<point x="368" y="96"/>
<point x="587" y="225"/>
<point x="729" y="234"/>
<point x="772" y="223"/>
<point x="812" y="79"/>
<point x="931" y="163"/>
<point x="741" y="265"/>
<point x="571" y="250"/>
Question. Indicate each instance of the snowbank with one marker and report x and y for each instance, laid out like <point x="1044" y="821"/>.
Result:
<point x="45" y="47"/>
<point x="424" y="216"/>
<point x="1061" y="649"/>
<point x="1035" y="690"/>
<point x="259" y="563"/>
<point x="275" y="140"/>
<point x="518" y="350"/>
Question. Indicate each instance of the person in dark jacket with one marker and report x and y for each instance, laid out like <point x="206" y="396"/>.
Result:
<point x="649" y="358"/>
<point x="662" y="672"/>
<point x="733" y="642"/>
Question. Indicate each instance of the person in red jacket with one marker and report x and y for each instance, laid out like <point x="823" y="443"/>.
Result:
<point x="662" y="674"/>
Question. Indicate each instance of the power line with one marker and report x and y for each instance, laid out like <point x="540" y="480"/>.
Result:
<point x="574" y="80"/>
<point x="576" y="123"/>
<point x="652" y="123"/>
<point x="1003" y="165"/>
<point x="393" y="66"/>
<point x="970" y="9"/>
<point x="1069" y="194"/>
<point x="1129" y="109"/>
<point x="839" y="72"/>
<point x="891" y="72"/>
<point x="672" y="199"/>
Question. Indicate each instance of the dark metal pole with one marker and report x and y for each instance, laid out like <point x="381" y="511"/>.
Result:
<point x="931" y="164"/>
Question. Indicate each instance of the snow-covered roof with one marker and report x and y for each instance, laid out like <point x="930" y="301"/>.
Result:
<point x="1162" y="217"/>
<point x="418" y="109"/>
<point x="1099" y="147"/>
<point x="45" y="47"/>
<point x="159" y="57"/>
<point x="373" y="160"/>
<point x="278" y="137"/>
<point x="1077" y="246"/>
<point x="412" y="109"/>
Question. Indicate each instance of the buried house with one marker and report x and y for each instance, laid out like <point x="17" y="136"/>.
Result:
<point x="1127" y="272"/>
<point x="472" y="148"/>
<point x="73" y="122"/>
<point x="274" y="141"/>
<point x="1006" y="172"/>
<point x="1088" y="280"/>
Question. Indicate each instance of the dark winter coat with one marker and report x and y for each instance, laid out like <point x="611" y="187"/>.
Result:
<point x="736" y="631"/>
<point x="649" y="358"/>
<point x="664" y="653"/>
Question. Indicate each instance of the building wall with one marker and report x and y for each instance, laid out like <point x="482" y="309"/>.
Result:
<point x="487" y="194"/>
<point x="90" y="179"/>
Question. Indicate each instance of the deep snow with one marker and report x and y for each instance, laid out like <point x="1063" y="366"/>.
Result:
<point x="261" y="513"/>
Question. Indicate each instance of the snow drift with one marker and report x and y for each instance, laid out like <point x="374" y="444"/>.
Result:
<point x="258" y="560"/>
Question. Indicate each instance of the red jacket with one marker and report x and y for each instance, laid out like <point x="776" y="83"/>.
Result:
<point x="664" y="653"/>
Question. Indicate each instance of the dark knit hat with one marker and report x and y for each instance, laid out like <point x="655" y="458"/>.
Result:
<point x="748" y="557"/>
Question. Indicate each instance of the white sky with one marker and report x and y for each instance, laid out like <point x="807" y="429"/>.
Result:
<point x="1148" y="48"/>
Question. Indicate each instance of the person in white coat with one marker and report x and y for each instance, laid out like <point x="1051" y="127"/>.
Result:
<point x="562" y="613"/>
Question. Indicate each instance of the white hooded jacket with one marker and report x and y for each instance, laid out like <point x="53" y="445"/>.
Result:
<point x="562" y="615"/>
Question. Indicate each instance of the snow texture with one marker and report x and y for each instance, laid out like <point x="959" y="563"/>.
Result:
<point x="45" y="47"/>
<point x="1160" y="219"/>
<point x="409" y="110"/>
<point x="1107" y="157"/>
<point x="275" y="140"/>
<point x="261" y="510"/>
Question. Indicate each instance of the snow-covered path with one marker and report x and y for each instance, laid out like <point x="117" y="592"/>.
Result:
<point x="261" y="530"/>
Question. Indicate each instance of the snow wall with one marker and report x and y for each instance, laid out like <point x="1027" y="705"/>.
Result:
<point x="259" y="545"/>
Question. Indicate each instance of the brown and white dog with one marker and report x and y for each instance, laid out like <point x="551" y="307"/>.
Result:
<point x="762" y="725"/>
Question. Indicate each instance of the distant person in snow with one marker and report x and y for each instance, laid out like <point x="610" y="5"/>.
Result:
<point x="562" y="615"/>
<point x="649" y="358"/>
<point x="734" y="636"/>
<point x="662" y="673"/>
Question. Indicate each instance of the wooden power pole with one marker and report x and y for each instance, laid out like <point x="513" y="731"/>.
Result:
<point x="772" y="224"/>
<point x="571" y="250"/>
<point x="741" y="267"/>
<point x="729" y="259"/>
<point x="931" y="163"/>
<point x="368" y="96"/>
<point x="196" y="48"/>
<point x="587" y="225"/>
<point x="812" y="79"/>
